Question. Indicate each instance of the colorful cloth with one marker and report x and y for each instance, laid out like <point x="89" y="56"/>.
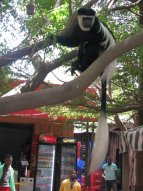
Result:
<point x="5" y="189"/>
<point x="131" y="140"/>
<point x="4" y="180"/>
<point x="66" y="186"/>
<point x="11" y="179"/>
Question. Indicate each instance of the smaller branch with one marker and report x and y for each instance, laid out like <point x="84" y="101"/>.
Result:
<point x="91" y="3"/>
<point x="135" y="13"/>
<point x="126" y="7"/>
<point x="58" y="3"/>
<point x="70" y="8"/>
<point x="110" y="3"/>
<point x="15" y="55"/>
<point x="116" y="109"/>
<point x="44" y="69"/>
<point x="119" y="123"/>
<point x="58" y="78"/>
<point x="37" y="62"/>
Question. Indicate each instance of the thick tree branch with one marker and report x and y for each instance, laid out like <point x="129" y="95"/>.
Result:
<point x="72" y="89"/>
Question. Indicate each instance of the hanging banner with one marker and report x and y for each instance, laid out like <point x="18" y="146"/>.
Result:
<point x="131" y="140"/>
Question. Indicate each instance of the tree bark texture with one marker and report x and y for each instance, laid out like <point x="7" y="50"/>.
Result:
<point x="139" y="155"/>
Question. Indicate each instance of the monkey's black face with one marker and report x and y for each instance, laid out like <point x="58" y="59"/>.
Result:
<point x="87" y="22"/>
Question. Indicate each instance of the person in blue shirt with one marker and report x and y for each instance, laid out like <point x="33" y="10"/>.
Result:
<point x="110" y="172"/>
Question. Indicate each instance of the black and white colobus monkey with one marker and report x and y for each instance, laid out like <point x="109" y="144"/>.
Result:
<point x="93" y="38"/>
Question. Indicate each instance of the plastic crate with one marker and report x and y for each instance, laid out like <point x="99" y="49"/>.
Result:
<point x="96" y="188"/>
<point x="96" y="178"/>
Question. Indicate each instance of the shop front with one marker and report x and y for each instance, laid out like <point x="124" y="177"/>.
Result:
<point x="19" y="136"/>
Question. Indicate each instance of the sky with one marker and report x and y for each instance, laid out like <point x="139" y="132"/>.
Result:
<point x="59" y="76"/>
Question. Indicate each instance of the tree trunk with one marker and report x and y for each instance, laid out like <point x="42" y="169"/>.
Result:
<point x="139" y="161"/>
<point x="138" y="169"/>
<point x="139" y="155"/>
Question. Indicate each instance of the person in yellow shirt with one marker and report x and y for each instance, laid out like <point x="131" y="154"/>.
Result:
<point x="70" y="184"/>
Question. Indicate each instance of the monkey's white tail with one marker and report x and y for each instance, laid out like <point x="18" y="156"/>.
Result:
<point x="100" y="147"/>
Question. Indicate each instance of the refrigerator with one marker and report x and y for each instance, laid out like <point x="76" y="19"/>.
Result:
<point x="66" y="159"/>
<point x="45" y="165"/>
